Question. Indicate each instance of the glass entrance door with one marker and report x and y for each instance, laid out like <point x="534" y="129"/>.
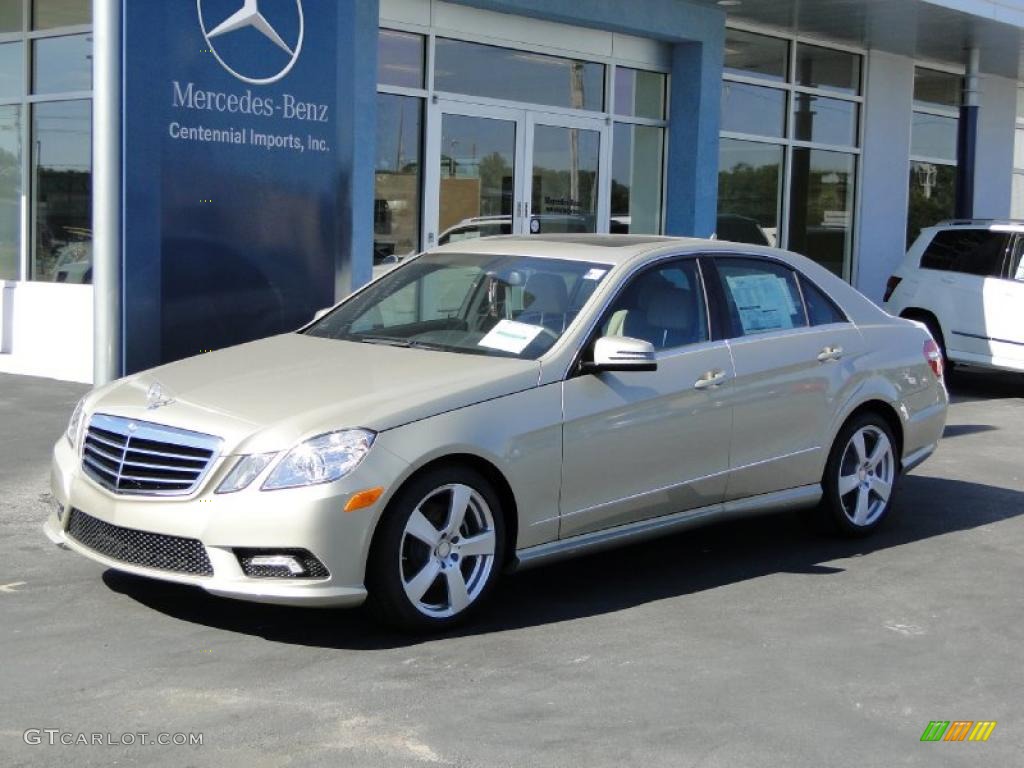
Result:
<point x="565" y="175"/>
<point x="499" y="170"/>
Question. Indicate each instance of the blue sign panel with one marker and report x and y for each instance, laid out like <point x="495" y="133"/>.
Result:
<point x="235" y="187"/>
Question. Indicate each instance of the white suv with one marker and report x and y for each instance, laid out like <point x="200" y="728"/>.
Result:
<point x="965" y="281"/>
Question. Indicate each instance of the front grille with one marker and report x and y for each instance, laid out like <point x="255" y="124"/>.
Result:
<point x="314" y="568"/>
<point x="149" y="550"/>
<point x="136" y="457"/>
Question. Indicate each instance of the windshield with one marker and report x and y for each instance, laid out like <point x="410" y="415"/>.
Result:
<point x="508" y="306"/>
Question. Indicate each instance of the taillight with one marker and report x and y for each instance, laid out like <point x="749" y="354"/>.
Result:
<point x="890" y="286"/>
<point x="933" y="355"/>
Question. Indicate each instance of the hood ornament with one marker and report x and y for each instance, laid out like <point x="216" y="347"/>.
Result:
<point x="155" y="397"/>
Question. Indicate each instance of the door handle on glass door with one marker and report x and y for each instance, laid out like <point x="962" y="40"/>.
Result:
<point x="829" y="354"/>
<point x="710" y="379"/>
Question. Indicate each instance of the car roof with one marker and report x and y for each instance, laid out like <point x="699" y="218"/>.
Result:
<point x="1013" y="224"/>
<point x="610" y="250"/>
<point x="602" y="249"/>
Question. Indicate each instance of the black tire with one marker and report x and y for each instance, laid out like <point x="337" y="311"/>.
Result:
<point x="838" y="511"/>
<point x="397" y="556"/>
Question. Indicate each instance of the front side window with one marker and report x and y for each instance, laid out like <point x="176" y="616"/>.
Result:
<point x="761" y="296"/>
<point x="506" y="306"/>
<point x="664" y="306"/>
<point x="970" y="251"/>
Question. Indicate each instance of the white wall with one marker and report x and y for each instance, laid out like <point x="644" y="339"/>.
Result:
<point x="46" y="330"/>
<point x="993" y="165"/>
<point x="884" y="195"/>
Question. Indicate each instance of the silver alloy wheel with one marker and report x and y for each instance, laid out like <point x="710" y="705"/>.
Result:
<point x="447" y="550"/>
<point x="866" y="475"/>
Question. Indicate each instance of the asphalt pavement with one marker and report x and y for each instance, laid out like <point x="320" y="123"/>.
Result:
<point x="752" y="643"/>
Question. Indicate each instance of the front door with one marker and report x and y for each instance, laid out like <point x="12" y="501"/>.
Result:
<point x="494" y="170"/>
<point x="641" y="444"/>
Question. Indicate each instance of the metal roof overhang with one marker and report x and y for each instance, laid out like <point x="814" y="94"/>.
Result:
<point x="931" y="30"/>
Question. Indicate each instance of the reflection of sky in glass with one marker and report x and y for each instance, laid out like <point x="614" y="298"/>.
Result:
<point x="501" y="73"/>
<point x="62" y="64"/>
<point x="827" y="68"/>
<point x="750" y="54"/>
<point x="12" y="70"/>
<point x="639" y="93"/>
<point x="400" y="59"/>
<point x="824" y="121"/>
<point x="753" y="109"/>
<point x="398" y="132"/>
<point x="934" y="136"/>
<point x="62" y="135"/>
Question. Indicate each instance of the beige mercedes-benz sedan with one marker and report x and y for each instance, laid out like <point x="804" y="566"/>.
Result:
<point x="496" y="405"/>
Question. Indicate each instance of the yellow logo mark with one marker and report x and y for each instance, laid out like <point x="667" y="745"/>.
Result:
<point x="982" y="730"/>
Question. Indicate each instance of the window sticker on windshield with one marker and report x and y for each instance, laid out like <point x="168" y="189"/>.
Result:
<point x="764" y="302"/>
<point x="595" y="274"/>
<point x="510" y="336"/>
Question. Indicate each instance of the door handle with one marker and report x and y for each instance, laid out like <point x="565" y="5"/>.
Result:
<point x="710" y="379"/>
<point x="829" y="354"/>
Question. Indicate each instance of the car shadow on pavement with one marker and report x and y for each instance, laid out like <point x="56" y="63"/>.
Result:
<point x="968" y="385"/>
<point x="674" y="566"/>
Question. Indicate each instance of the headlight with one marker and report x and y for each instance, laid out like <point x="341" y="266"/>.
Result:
<point x="322" y="459"/>
<point x="245" y="471"/>
<point x="75" y="424"/>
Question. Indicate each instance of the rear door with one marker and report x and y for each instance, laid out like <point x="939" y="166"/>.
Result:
<point x="640" y="444"/>
<point x="966" y="268"/>
<point x="792" y="348"/>
<point x="1004" y="309"/>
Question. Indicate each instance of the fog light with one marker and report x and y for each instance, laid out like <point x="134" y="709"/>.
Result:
<point x="60" y="511"/>
<point x="278" y="561"/>
<point x="281" y="563"/>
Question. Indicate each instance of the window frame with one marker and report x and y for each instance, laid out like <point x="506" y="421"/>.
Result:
<point x="585" y="351"/>
<point x="429" y="94"/>
<point x="725" y="317"/>
<point x="788" y="141"/>
<point x="605" y="316"/>
<point x="27" y="100"/>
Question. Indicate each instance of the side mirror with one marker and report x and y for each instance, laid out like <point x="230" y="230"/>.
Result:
<point x="621" y="353"/>
<point x="321" y="312"/>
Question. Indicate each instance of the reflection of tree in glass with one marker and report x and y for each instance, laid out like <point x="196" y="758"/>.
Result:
<point x="495" y="185"/>
<point x="752" y="191"/>
<point x="932" y="196"/>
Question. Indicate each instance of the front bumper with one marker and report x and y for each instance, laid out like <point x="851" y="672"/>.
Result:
<point x="309" y="518"/>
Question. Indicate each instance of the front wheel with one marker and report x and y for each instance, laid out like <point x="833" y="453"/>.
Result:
<point x="860" y="477"/>
<point x="438" y="551"/>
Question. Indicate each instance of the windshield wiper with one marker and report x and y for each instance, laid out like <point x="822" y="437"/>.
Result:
<point x="391" y="341"/>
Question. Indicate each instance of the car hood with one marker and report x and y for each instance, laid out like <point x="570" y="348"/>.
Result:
<point x="267" y="395"/>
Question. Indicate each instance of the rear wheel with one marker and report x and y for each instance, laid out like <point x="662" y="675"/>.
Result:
<point x="860" y="477"/>
<point x="438" y="551"/>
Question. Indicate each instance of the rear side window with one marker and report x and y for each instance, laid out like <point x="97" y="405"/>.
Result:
<point x="761" y="296"/>
<point x="970" y="251"/>
<point x="821" y="310"/>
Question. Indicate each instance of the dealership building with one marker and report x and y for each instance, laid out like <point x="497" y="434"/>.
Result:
<point x="181" y="175"/>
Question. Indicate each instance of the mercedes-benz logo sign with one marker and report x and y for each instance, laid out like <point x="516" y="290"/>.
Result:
<point x="249" y="15"/>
